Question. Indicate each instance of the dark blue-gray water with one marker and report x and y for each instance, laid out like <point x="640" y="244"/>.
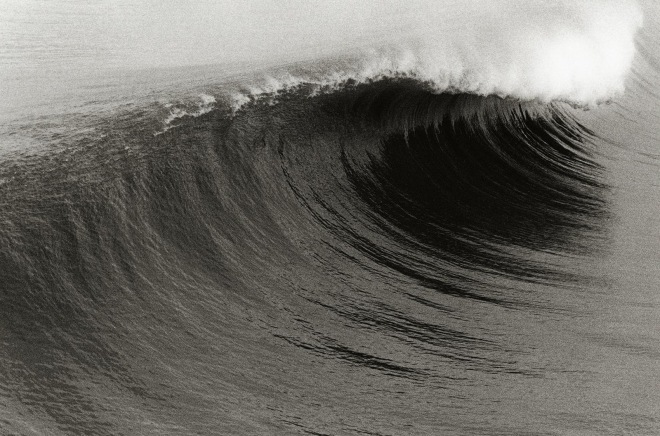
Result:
<point x="183" y="251"/>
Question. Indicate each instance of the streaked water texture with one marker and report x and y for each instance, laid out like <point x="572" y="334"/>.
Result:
<point x="399" y="228"/>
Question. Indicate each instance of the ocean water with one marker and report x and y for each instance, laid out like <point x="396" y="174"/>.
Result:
<point x="328" y="218"/>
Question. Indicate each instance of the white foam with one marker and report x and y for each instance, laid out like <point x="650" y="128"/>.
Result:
<point x="574" y="50"/>
<point x="204" y="106"/>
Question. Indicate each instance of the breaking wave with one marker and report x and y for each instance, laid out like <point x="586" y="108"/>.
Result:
<point x="395" y="222"/>
<point x="578" y="52"/>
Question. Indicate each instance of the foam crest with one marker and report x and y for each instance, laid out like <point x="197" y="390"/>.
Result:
<point x="576" y="51"/>
<point x="205" y="105"/>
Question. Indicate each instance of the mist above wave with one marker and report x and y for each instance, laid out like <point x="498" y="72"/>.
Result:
<point x="579" y="52"/>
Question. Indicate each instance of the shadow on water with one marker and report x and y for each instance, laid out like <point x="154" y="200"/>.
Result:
<point x="474" y="196"/>
<point x="464" y="185"/>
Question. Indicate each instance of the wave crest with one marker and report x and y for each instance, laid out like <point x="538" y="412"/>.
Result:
<point x="580" y="52"/>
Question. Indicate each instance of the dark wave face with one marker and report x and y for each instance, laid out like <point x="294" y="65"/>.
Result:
<point x="365" y="260"/>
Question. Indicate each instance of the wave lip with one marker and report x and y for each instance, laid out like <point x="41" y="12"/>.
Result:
<point x="579" y="52"/>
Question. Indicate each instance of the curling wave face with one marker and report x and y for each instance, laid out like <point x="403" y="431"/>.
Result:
<point x="349" y="229"/>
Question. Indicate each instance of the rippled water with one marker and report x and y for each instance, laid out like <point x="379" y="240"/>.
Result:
<point x="204" y="250"/>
